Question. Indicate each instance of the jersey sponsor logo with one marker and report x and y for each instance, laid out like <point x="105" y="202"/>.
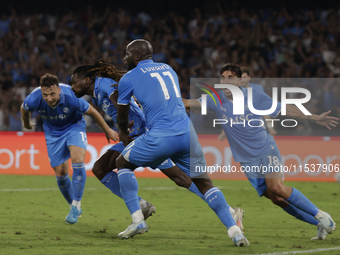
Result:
<point x="105" y="105"/>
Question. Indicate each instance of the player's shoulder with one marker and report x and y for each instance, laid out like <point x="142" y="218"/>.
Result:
<point x="67" y="91"/>
<point x="257" y="86"/>
<point x="65" y="87"/>
<point x="36" y="93"/>
<point x="105" y="81"/>
<point x="127" y="77"/>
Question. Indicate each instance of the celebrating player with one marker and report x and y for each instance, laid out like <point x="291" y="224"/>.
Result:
<point x="98" y="81"/>
<point x="170" y="135"/>
<point x="65" y="133"/>
<point x="253" y="146"/>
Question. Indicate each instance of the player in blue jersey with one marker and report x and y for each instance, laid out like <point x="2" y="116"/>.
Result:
<point x="245" y="83"/>
<point x="65" y="133"/>
<point x="98" y="80"/>
<point x="255" y="149"/>
<point x="169" y="135"/>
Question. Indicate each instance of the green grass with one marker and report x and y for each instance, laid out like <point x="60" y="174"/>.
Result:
<point x="32" y="222"/>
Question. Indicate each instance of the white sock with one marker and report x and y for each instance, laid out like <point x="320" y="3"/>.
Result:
<point x="142" y="203"/>
<point x="318" y="214"/>
<point x="76" y="204"/>
<point x="232" y="211"/>
<point x="232" y="231"/>
<point x="137" y="216"/>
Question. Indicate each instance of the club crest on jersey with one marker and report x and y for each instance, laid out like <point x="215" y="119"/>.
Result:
<point x="66" y="110"/>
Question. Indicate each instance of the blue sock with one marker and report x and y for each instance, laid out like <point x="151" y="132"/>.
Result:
<point x="111" y="182"/>
<point x="302" y="202"/>
<point x="78" y="180"/>
<point x="301" y="215"/>
<point x="65" y="186"/>
<point x="215" y="199"/>
<point x="193" y="188"/>
<point x="129" y="189"/>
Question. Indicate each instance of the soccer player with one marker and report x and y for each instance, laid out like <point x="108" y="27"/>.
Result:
<point x="170" y="134"/>
<point x="253" y="146"/>
<point x="98" y="80"/>
<point x="245" y="83"/>
<point x="65" y="133"/>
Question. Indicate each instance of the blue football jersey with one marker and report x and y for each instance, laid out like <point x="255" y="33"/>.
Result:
<point x="256" y="86"/>
<point x="101" y="98"/>
<point x="61" y="118"/>
<point x="246" y="142"/>
<point x="156" y="87"/>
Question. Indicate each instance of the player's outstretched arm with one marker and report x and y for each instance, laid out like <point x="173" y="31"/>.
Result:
<point x="191" y="103"/>
<point x="25" y="116"/>
<point x="323" y="119"/>
<point x="109" y="133"/>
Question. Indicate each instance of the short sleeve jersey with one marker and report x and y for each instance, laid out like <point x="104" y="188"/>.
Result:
<point x="61" y="118"/>
<point x="156" y="87"/>
<point x="246" y="141"/>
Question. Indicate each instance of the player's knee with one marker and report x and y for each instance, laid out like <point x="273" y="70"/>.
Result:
<point x="96" y="169"/>
<point x="276" y="188"/>
<point x="77" y="159"/>
<point x="279" y="201"/>
<point x="182" y="182"/>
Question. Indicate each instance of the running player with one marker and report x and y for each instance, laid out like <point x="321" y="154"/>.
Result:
<point x="253" y="146"/>
<point x="245" y="83"/>
<point x="170" y="135"/>
<point x="65" y="133"/>
<point x="98" y="80"/>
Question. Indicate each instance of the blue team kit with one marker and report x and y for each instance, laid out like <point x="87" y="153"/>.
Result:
<point x="252" y="146"/>
<point x="64" y="124"/>
<point x="163" y="110"/>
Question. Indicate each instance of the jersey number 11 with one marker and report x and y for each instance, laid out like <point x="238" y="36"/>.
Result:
<point x="163" y="85"/>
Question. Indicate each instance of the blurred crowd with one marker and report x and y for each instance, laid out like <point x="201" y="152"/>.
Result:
<point x="272" y="43"/>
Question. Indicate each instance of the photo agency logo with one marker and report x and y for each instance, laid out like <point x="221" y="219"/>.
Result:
<point x="244" y="113"/>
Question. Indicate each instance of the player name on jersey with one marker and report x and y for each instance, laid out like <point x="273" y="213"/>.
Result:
<point x="154" y="68"/>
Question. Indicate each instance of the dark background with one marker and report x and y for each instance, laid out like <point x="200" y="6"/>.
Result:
<point x="155" y="7"/>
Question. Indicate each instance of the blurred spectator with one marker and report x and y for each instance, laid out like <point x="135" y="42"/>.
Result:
<point x="14" y="116"/>
<point x="273" y="43"/>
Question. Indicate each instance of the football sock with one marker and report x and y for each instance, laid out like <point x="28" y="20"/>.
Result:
<point x="129" y="189"/>
<point x="302" y="202"/>
<point x="301" y="215"/>
<point x="111" y="182"/>
<point x="76" y="204"/>
<point x="215" y="199"/>
<point x="193" y="188"/>
<point x="78" y="180"/>
<point x="137" y="216"/>
<point x="233" y="230"/>
<point x="65" y="186"/>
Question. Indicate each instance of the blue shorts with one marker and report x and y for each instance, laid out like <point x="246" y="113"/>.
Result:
<point x="57" y="147"/>
<point x="184" y="150"/>
<point x="119" y="147"/>
<point x="255" y="171"/>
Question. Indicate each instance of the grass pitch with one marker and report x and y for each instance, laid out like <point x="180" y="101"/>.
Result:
<point x="32" y="213"/>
